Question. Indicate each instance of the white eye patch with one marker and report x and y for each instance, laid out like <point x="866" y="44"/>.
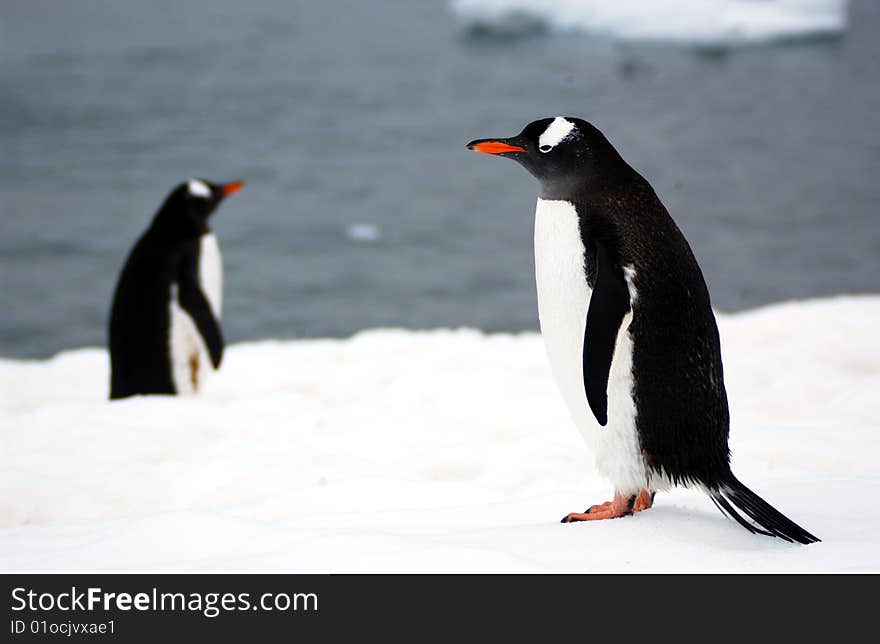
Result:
<point x="557" y="132"/>
<point x="198" y="188"/>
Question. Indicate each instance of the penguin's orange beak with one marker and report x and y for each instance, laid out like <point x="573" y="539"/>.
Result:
<point x="229" y="188"/>
<point x="488" y="146"/>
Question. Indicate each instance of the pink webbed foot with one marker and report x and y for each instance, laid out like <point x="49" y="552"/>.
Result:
<point x="621" y="506"/>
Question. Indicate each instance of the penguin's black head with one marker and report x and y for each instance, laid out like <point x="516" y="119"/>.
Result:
<point x="563" y="153"/>
<point x="191" y="203"/>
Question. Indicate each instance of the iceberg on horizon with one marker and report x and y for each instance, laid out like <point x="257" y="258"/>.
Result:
<point x="683" y="22"/>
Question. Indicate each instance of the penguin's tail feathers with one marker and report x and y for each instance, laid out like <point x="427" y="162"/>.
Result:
<point x="731" y="495"/>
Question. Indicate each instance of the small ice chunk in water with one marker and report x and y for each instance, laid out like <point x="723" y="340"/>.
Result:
<point x="363" y="232"/>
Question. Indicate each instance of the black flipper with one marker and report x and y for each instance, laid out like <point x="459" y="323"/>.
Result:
<point x="194" y="302"/>
<point x="774" y="523"/>
<point x="609" y="303"/>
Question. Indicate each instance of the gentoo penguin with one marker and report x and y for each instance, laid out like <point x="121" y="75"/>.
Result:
<point x="165" y="320"/>
<point x="628" y="327"/>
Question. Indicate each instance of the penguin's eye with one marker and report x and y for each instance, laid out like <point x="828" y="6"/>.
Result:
<point x="545" y="148"/>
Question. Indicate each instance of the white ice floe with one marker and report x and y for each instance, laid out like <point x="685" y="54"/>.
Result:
<point x="697" y="22"/>
<point x="429" y="451"/>
<point x="363" y="232"/>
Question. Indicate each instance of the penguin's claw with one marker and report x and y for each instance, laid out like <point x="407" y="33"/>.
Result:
<point x="621" y="506"/>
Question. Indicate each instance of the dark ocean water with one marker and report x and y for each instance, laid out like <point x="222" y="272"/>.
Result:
<point x="344" y="113"/>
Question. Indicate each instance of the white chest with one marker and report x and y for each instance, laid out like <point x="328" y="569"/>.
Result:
<point x="563" y="293"/>
<point x="190" y="361"/>
<point x="563" y="302"/>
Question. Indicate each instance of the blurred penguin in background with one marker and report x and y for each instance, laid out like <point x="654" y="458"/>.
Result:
<point x="165" y="319"/>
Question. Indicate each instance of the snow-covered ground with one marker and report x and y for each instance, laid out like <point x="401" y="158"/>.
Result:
<point x="429" y="451"/>
<point x="696" y="22"/>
